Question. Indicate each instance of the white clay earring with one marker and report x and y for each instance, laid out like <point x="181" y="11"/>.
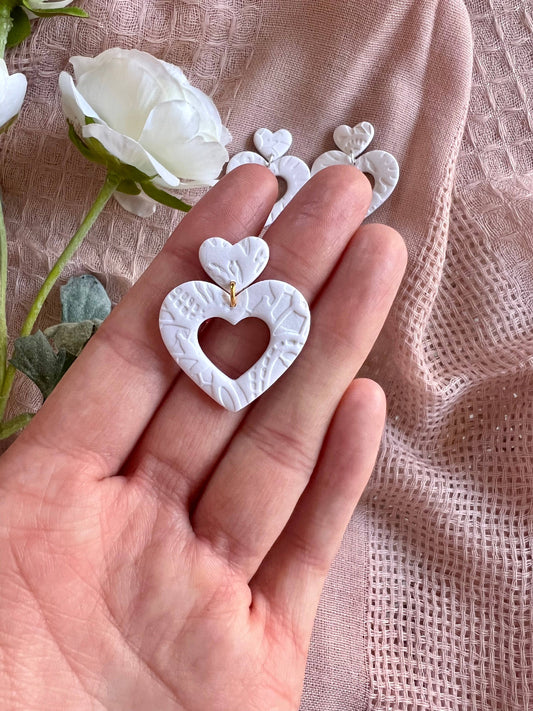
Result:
<point x="382" y="166"/>
<point x="282" y="307"/>
<point x="272" y="147"/>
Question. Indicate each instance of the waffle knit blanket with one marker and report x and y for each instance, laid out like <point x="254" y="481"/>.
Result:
<point x="429" y="602"/>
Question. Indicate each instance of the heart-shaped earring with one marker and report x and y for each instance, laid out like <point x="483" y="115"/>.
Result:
<point x="272" y="147"/>
<point x="382" y="166"/>
<point x="282" y="307"/>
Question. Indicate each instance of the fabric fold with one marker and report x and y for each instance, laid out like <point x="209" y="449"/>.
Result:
<point x="406" y="68"/>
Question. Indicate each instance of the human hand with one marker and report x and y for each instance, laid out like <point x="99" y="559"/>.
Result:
<point x="158" y="552"/>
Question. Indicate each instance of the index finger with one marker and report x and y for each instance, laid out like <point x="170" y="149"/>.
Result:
<point x="104" y="402"/>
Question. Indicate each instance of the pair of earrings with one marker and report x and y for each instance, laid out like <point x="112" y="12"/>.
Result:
<point x="352" y="142"/>
<point x="233" y="268"/>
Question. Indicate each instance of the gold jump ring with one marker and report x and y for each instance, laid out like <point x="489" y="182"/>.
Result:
<point x="233" y="300"/>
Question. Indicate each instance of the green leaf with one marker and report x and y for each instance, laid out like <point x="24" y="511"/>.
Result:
<point x="163" y="197"/>
<point x="72" y="337"/>
<point x="8" y="124"/>
<point x="35" y="357"/>
<point x="94" y="151"/>
<point x="89" y="150"/>
<point x="84" y="298"/>
<point x="101" y="155"/>
<point x="72" y="10"/>
<point x="20" y="29"/>
<point x="129" y="187"/>
<point x="13" y="426"/>
<point x="130" y="172"/>
<point x="78" y="142"/>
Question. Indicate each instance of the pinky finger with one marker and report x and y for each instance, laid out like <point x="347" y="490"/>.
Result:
<point x="292" y="576"/>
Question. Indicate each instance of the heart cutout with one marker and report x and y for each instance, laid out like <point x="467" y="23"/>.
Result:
<point x="234" y="349"/>
<point x="241" y="262"/>
<point x="281" y="306"/>
<point x="353" y="141"/>
<point x="272" y="145"/>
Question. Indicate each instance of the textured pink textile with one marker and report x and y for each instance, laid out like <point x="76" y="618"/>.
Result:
<point x="429" y="603"/>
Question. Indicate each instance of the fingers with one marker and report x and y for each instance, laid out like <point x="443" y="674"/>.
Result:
<point x="104" y="402"/>
<point x="305" y="243"/>
<point x="291" y="578"/>
<point x="266" y="467"/>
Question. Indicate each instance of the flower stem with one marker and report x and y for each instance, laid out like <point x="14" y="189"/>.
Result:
<point x="3" y="289"/>
<point x="6" y="23"/>
<point x="107" y="190"/>
<point x="15" y="425"/>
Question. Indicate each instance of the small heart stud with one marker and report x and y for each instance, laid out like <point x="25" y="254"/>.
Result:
<point x="354" y="141"/>
<point x="272" y="145"/>
<point x="241" y="263"/>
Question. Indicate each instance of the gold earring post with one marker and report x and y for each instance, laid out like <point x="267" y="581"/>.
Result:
<point x="233" y="300"/>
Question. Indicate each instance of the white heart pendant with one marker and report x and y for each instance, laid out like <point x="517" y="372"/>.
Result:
<point x="273" y="146"/>
<point x="278" y="304"/>
<point x="296" y="174"/>
<point x="330" y="158"/>
<point x="382" y="166"/>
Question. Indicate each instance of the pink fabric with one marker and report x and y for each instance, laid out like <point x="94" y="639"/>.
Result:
<point x="428" y="605"/>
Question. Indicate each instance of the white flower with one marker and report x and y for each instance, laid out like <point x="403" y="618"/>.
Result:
<point x="145" y="113"/>
<point x="12" y="93"/>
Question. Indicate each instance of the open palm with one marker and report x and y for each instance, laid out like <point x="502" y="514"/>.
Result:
<point x="158" y="552"/>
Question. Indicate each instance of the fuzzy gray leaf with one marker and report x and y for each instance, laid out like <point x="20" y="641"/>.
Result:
<point x="72" y="337"/>
<point x="35" y="357"/>
<point x="83" y="298"/>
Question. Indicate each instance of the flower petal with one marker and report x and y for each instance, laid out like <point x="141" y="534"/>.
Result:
<point x="170" y="123"/>
<point x="214" y="130"/>
<point x="197" y="160"/>
<point x="225" y="136"/>
<point x="211" y="126"/>
<point x="170" y="135"/>
<point x="123" y="93"/>
<point x="74" y="105"/>
<point x="124" y="86"/>
<point x="140" y="205"/>
<point x="176" y="73"/>
<point x="81" y="65"/>
<point x="157" y="67"/>
<point x="4" y="75"/>
<point x="13" y="92"/>
<point x="129" y="152"/>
